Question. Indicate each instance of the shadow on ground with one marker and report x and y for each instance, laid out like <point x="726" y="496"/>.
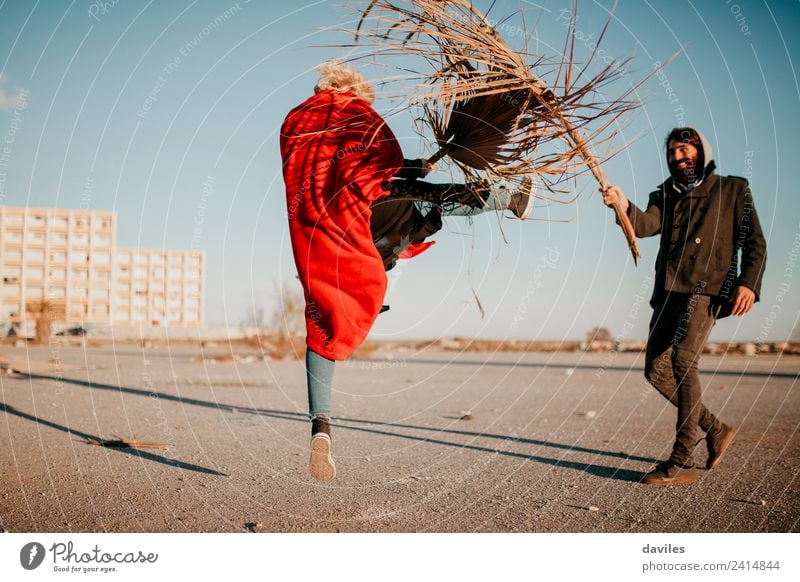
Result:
<point x="355" y="424"/>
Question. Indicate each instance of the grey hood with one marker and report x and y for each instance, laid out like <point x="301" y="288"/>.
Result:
<point x="705" y="157"/>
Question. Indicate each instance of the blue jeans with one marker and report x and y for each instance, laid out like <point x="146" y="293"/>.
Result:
<point x="319" y="375"/>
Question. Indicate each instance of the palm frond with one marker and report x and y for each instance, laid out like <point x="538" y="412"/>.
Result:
<point x="488" y="106"/>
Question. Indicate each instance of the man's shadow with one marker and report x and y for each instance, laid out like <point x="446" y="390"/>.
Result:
<point x="608" y="472"/>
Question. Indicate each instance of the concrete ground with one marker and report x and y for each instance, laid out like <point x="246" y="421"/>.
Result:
<point x="423" y="441"/>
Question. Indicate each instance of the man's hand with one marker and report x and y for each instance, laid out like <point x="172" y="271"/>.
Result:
<point x="613" y="195"/>
<point x="743" y="299"/>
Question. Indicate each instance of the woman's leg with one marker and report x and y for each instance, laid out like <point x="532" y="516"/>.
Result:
<point x="319" y="375"/>
<point x="444" y="195"/>
<point x="464" y="199"/>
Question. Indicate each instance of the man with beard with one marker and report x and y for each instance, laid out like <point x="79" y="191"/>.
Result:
<point x="710" y="263"/>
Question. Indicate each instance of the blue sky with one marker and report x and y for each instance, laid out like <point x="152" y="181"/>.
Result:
<point x="148" y="109"/>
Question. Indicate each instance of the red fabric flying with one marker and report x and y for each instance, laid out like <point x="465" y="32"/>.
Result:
<point x="415" y="249"/>
<point x="337" y="151"/>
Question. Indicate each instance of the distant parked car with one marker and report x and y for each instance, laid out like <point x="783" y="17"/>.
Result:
<point x="73" y="331"/>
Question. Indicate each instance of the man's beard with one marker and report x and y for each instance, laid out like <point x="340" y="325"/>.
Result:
<point x="685" y="171"/>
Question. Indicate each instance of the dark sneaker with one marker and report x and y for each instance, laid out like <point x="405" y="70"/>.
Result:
<point x="320" y="424"/>
<point x="718" y="444"/>
<point x="321" y="465"/>
<point x="521" y="201"/>
<point x="667" y="473"/>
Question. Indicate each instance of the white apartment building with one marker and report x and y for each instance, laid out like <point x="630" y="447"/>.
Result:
<point x="158" y="287"/>
<point x="69" y="259"/>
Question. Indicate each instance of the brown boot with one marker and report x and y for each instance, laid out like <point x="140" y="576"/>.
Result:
<point x="718" y="444"/>
<point x="668" y="473"/>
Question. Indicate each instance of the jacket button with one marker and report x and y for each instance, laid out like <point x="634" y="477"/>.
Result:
<point x="694" y="257"/>
<point x="697" y="240"/>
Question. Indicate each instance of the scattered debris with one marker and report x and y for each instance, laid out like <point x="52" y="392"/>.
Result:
<point x="231" y="358"/>
<point x="748" y="349"/>
<point x="254" y="527"/>
<point x="588" y="414"/>
<point x="759" y="502"/>
<point x="467" y="416"/>
<point x="476" y="345"/>
<point x="593" y="508"/>
<point x="724" y="387"/>
<point x="127" y="444"/>
<point x="7" y="370"/>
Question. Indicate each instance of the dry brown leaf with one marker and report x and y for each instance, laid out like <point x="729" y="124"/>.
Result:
<point x="127" y="444"/>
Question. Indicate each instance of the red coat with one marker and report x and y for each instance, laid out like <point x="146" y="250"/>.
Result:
<point x="337" y="151"/>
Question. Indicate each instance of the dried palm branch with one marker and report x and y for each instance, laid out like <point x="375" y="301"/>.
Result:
<point x="127" y="444"/>
<point x="489" y="112"/>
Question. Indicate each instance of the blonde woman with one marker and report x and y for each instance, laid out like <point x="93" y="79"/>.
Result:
<point x="339" y="160"/>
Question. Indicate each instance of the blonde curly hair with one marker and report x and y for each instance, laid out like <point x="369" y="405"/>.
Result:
<point x="336" y="77"/>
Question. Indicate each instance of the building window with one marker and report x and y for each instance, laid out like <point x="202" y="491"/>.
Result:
<point x="10" y="310"/>
<point x="31" y="255"/>
<point x="13" y="219"/>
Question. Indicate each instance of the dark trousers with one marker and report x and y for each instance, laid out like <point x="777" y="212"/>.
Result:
<point x="396" y="223"/>
<point x="468" y="195"/>
<point x="679" y="329"/>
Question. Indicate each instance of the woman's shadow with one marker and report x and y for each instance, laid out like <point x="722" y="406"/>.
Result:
<point x="355" y="424"/>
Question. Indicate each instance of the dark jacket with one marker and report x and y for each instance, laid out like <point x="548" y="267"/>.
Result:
<point x="703" y="232"/>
